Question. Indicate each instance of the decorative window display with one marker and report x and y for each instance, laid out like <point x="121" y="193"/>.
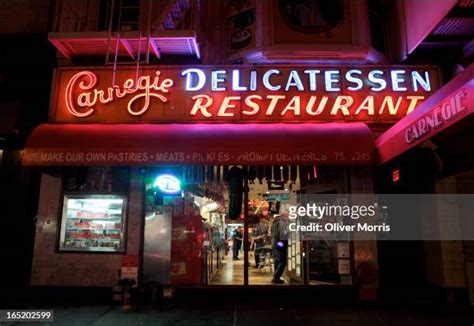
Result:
<point x="93" y="223"/>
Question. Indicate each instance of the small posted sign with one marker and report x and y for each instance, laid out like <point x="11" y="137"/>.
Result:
<point x="129" y="267"/>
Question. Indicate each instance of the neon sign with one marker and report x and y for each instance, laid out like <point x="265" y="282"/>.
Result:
<point x="435" y="118"/>
<point x="90" y="96"/>
<point x="253" y="94"/>
<point x="167" y="183"/>
<point x="375" y="80"/>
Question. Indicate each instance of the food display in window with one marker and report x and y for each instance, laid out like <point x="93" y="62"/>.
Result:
<point x="93" y="223"/>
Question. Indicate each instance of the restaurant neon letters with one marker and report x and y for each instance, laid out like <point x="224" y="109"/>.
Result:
<point x="253" y="94"/>
<point x="292" y="105"/>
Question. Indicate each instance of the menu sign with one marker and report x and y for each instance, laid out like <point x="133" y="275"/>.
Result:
<point x="240" y="93"/>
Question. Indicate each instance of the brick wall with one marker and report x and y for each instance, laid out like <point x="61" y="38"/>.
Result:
<point x="24" y="16"/>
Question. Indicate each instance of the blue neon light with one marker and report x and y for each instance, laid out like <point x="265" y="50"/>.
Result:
<point x="167" y="183"/>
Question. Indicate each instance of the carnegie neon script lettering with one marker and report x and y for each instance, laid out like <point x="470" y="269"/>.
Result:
<point x="83" y="104"/>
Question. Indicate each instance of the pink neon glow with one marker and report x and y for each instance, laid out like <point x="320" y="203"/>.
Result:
<point x="401" y="136"/>
<point x="84" y="82"/>
<point x="279" y="143"/>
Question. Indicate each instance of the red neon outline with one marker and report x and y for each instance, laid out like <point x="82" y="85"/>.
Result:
<point x="70" y="104"/>
<point x="143" y="83"/>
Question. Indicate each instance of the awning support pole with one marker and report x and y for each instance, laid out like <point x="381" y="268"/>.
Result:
<point x="246" y="226"/>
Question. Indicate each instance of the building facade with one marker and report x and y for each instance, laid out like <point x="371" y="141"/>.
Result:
<point x="172" y="123"/>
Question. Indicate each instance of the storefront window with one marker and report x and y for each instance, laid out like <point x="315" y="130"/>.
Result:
<point x="93" y="223"/>
<point x="192" y="236"/>
<point x="94" y="209"/>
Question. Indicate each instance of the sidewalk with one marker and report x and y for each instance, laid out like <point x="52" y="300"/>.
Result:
<point x="203" y="315"/>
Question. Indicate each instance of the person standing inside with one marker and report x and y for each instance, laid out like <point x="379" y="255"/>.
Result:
<point x="259" y="235"/>
<point x="279" y="247"/>
<point x="236" y="242"/>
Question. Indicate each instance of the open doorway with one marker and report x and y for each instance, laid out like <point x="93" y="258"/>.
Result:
<point x="192" y="237"/>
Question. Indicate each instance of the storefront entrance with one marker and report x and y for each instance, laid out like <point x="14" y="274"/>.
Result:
<point x="198" y="232"/>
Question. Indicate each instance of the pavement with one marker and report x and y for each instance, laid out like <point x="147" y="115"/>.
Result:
<point x="203" y="314"/>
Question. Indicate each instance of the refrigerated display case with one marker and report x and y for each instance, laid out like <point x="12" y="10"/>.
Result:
<point x="93" y="223"/>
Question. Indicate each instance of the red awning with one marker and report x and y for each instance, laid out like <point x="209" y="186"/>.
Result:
<point x="450" y="104"/>
<point x="150" y="144"/>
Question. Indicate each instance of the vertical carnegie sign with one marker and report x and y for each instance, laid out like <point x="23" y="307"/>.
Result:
<point x="457" y="106"/>
<point x="449" y="105"/>
<point x="241" y="94"/>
